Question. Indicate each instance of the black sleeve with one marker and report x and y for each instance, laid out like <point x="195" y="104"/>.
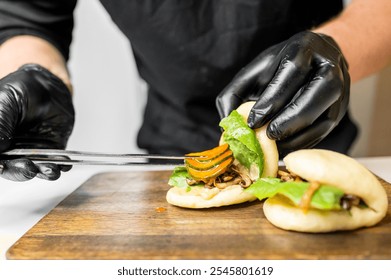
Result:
<point x="51" y="20"/>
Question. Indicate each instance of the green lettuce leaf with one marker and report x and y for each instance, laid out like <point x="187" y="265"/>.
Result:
<point x="179" y="177"/>
<point x="324" y="198"/>
<point x="242" y="141"/>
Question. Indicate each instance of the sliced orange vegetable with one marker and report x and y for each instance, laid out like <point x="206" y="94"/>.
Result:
<point x="202" y="164"/>
<point x="209" y="154"/>
<point x="209" y="164"/>
<point x="213" y="172"/>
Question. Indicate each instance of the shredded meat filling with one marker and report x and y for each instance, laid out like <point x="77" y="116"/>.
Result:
<point x="287" y="176"/>
<point x="349" y="200"/>
<point x="229" y="178"/>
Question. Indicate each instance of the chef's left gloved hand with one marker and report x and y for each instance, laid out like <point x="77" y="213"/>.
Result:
<point x="36" y="111"/>
<point x="301" y="86"/>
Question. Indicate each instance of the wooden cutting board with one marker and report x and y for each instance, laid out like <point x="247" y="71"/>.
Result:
<point x="126" y="216"/>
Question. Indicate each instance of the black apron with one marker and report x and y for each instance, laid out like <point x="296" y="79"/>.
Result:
<point x="188" y="51"/>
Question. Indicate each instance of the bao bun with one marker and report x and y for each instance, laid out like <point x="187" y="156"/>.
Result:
<point x="335" y="169"/>
<point x="201" y="197"/>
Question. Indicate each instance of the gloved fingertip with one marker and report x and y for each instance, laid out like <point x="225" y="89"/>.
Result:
<point x="250" y="120"/>
<point x="255" y="120"/>
<point x="273" y="132"/>
<point x="250" y="123"/>
<point x="48" y="171"/>
<point x="18" y="170"/>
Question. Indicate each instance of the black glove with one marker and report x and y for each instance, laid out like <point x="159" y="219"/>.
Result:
<point x="301" y="86"/>
<point x="36" y="111"/>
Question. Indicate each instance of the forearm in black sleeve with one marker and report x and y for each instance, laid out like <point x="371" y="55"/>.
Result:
<point x="51" y="20"/>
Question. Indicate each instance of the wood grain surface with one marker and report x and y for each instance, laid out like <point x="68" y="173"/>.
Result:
<point x="125" y="215"/>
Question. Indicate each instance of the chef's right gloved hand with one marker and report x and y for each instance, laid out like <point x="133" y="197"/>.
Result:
<point x="36" y="111"/>
<point x="301" y="88"/>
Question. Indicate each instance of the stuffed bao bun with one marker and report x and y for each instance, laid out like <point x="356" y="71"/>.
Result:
<point x="322" y="191"/>
<point x="249" y="154"/>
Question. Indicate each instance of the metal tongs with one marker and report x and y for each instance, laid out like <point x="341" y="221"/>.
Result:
<point x="65" y="157"/>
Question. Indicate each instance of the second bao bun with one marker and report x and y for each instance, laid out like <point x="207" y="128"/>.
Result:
<point x="335" y="169"/>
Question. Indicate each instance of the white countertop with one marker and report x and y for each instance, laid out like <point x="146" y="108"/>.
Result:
<point x="22" y="205"/>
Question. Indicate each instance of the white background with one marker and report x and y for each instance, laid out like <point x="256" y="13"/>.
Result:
<point x="109" y="97"/>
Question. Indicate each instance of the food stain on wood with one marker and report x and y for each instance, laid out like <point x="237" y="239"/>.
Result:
<point x="160" y="209"/>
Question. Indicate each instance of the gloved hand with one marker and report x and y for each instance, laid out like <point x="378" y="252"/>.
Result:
<point x="301" y="86"/>
<point x="36" y="111"/>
